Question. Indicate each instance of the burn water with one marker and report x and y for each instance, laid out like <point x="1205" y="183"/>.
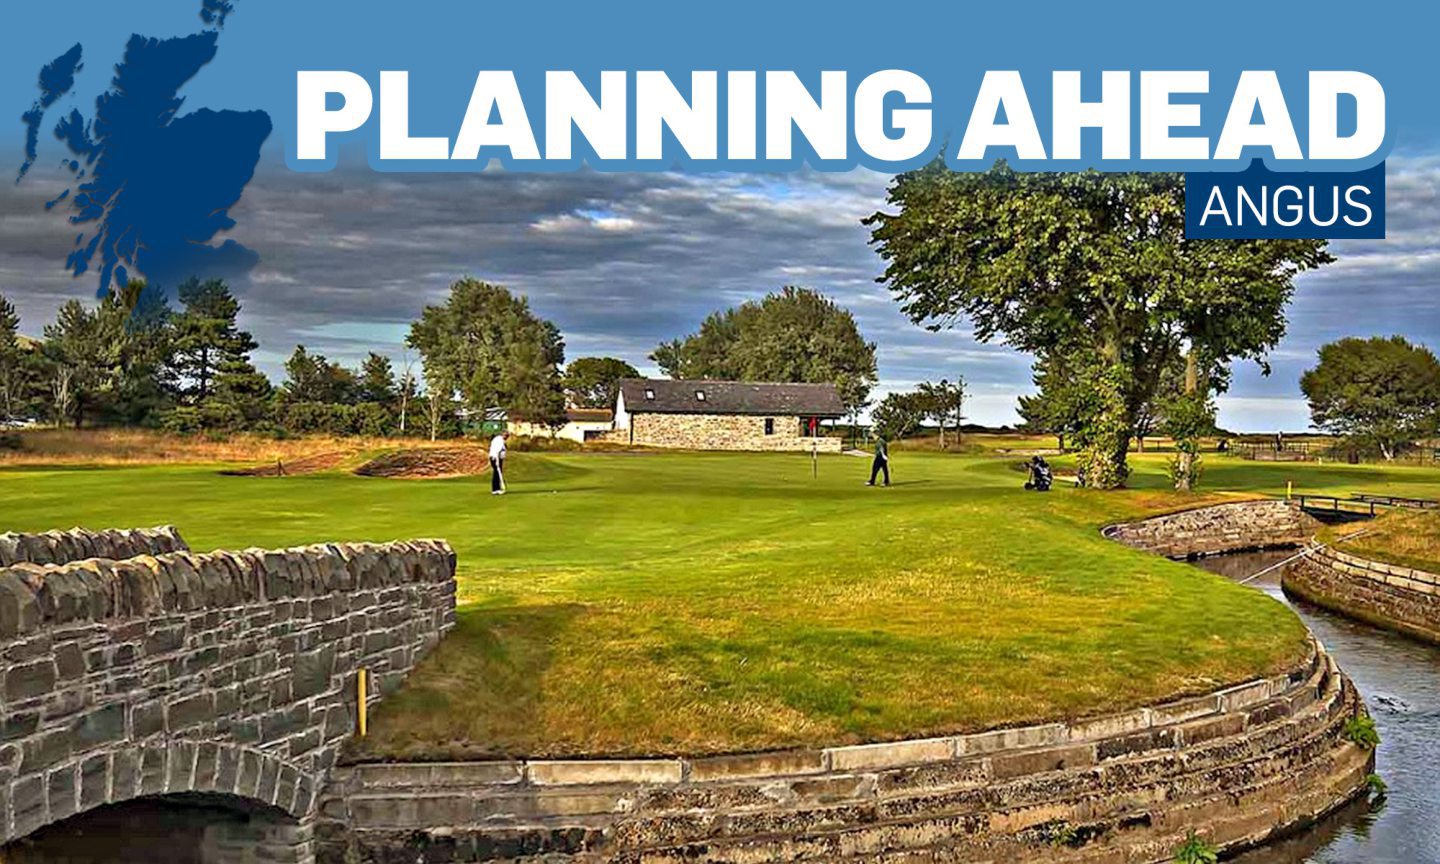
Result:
<point x="1399" y="679"/>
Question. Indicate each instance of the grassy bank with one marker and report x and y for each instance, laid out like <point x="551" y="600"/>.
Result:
<point x="1409" y="538"/>
<point x="628" y="603"/>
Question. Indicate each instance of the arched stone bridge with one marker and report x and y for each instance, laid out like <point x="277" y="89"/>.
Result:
<point x="134" y="670"/>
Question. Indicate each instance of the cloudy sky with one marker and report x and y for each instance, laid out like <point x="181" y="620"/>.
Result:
<point x="623" y="261"/>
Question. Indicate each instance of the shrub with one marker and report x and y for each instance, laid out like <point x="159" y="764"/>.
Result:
<point x="542" y="444"/>
<point x="1377" y="786"/>
<point x="1360" y="730"/>
<point x="1059" y="834"/>
<point x="1196" y="851"/>
<point x="329" y="418"/>
<point x="11" y="441"/>
<point x="372" y="419"/>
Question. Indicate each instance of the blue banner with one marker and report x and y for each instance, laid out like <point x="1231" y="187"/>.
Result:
<point x="1260" y="203"/>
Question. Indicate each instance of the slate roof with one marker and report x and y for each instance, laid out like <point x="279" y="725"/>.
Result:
<point x="730" y="397"/>
<point x="589" y="415"/>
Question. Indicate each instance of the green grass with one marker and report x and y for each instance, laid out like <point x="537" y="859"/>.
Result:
<point x="1409" y="538"/>
<point x="639" y="604"/>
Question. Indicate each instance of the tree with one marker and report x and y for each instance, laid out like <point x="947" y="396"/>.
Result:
<point x="408" y="387"/>
<point x="206" y="339"/>
<point x="438" y="407"/>
<point x="12" y="359"/>
<point x="795" y="335"/>
<point x="1057" y="408"/>
<point x="377" y="380"/>
<point x="898" y="415"/>
<point x="593" y="382"/>
<point x="209" y="365"/>
<point x="1377" y="392"/>
<point x="313" y="378"/>
<point x="1090" y="267"/>
<point x="533" y="382"/>
<point x="943" y="403"/>
<point x="485" y="345"/>
<point x="104" y="362"/>
<point x="240" y="397"/>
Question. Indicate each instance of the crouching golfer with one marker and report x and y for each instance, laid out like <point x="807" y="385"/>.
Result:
<point x="497" y="464"/>
<point x="881" y="463"/>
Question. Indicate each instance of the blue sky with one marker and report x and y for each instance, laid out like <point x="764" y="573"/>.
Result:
<point x="622" y="261"/>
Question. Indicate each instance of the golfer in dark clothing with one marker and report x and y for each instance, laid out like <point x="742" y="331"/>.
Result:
<point x="881" y="463"/>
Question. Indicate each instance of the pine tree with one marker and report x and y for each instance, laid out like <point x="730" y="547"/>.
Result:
<point x="207" y="339"/>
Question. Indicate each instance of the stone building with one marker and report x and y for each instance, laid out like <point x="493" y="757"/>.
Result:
<point x="726" y="415"/>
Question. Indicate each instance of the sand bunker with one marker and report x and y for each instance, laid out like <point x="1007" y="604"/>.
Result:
<point x="428" y="463"/>
<point x="287" y="467"/>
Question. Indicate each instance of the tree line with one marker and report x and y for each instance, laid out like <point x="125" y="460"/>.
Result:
<point x="134" y="359"/>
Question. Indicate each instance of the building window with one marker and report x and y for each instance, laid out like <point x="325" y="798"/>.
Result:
<point x="649" y="394"/>
<point x="700" y="395"/>
<point x="769" y="425"/>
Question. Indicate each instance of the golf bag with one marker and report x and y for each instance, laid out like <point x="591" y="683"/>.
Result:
<point x="1040" y="476"/>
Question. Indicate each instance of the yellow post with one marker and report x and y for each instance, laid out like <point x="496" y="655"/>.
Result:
<point x="1289" y="489"/>
<point x="362" y="691"/>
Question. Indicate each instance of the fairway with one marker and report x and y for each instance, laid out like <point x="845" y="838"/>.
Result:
<point x="630" y="603"/>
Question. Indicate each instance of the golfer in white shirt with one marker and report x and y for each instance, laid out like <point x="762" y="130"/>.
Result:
<point x="497" y="464"/>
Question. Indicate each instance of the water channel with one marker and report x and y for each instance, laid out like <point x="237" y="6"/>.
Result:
<point x="1399" y="679"/>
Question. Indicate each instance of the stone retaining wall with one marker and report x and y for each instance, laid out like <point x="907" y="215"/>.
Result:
<point x="1385" y="595"/>
<point x="1243" y="525"/>
<point x="1241" y="764"/>
<point x="226" y="673"/>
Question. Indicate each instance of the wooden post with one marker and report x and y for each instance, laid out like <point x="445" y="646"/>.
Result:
<point x="1289" y="489"/>
<point x="362" y="692"/>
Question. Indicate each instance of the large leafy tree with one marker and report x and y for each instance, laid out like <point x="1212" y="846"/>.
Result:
<point x="1091" y="267"/>
<point x="593" y="382"/>
<point x="485" y="345"/>
<point x="1378" y="392"/>
<point x="793" y="335"/>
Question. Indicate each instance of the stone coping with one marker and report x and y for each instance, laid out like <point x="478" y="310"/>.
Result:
<point x="1391" y="574"/>
<point x="1314" y="673"/>
<point x="1109" y="530"/>
<point x="62" y="547"/>
<point x="37" y="596"/>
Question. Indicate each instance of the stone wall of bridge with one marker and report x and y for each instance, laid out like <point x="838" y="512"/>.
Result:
<point x="229" y="675"/>
<point x="1234" y="527"/>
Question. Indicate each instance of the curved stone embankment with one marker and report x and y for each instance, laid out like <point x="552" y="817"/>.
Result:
<point x="1236" y="527"/>
<point x="1386" y="595"/>
<point x="1241" y="764"/>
